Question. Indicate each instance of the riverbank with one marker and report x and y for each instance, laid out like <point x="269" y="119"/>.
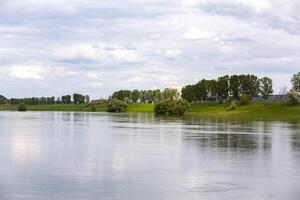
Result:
<point x="255" y="110"/>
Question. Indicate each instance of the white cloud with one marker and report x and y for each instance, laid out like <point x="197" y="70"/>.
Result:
<point x="173" y="53"/>
<point x="136" y="79"/>
<point x="256" y="5"/>
<point x="91" y="75"/>
<point x="85" y="40"/>
<point x="92" y="85"/>
<point x="97" y="53"/>
<point x="32" y="72"/>
<point x="198" y="34"/>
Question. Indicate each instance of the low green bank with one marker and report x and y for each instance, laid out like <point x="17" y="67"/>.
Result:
<point x="58" y="107"/>
<point x="255" y="110"/>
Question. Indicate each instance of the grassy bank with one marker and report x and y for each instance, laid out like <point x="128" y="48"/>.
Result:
<point x="58" y="107"/>
<point x="255" y="110"/>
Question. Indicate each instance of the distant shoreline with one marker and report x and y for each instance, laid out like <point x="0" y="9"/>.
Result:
<point x="270" y="110"/>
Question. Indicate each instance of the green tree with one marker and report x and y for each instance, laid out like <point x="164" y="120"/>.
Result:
<point x="22" y="107"/>
<point x="170" y="94"/>
<point x="135" y="96"/>
<point x="3" y="100"/>
<point x="117" y="105"/>
<point x="212" y="90"/>
<point x="171" y="107"/>
<point x="66" y="99"/>
<point x="189" y="93"/>
<point x="266" y="87"/>
<point x="223" y="87"/>
<point x="249" y="85"/>
<point x="143" y="96"/>
<point x="157" y="95"/>
<point x="234" y="86"/>
<point x="78" y="98"/>
<point x="150" y="96"/>
<point x="296" y="82"/>
<point x="201" y="90"/>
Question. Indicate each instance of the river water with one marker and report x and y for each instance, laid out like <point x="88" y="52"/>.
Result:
<point x="89" y="156"/>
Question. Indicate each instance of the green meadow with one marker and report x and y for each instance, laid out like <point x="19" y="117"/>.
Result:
<point x="253" y="110"/>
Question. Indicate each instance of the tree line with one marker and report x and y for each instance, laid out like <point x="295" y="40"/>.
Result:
<point x="145" y="96"/>
<point x="66" y="99"/>
<point x="225" y="87"/>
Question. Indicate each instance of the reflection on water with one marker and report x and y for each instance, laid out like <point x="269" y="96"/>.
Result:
<point x="55" y="155"/>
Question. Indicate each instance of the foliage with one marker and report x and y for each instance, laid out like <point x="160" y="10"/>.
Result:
<point x="145" y="96"/>
<point x="234" y="86"/>
<point x="249" y="85"/>
<point x="266" y="87"/>
<point x="245" y="99"/>
<point x="232" y="105"/>
<point x="22" y="107"/>
<point x="172" y="107"/>
<point x="121" y="94"/>
<point x="32" y="101"/>
<point x="170" y="94"/>
<point x="78" y="98"/>
<point x="3" y="100"/>
<point x="223" y="88"/>
<point x="293" y="97"/>
<point x="117" y="105"/>
<point x="296" y="82"/>
<point x="189" y="93"/>
<point x="66" y="99"/>
<point x="135" y="95"/>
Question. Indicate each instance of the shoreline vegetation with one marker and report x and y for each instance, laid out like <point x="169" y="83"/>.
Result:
<point x="269" y="110"/>
<point x="227" y="96"/>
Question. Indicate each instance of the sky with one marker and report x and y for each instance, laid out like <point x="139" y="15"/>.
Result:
<point x="57" y="47"/>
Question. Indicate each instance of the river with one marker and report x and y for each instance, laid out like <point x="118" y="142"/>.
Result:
<point x="89" y="156"/>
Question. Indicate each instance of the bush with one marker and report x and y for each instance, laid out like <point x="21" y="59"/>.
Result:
<point x="232" y="105"/>
<point x="171" y="107"/>
<point x="117" y="105"/>
<point x="245" y="99"/>
<point x="94" y="109"/>
<point x="22" y="107"/>
<point x="293" y="97"/>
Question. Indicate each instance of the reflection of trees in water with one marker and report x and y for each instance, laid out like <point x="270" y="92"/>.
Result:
<point x="295" y="138"/>
<point x="229" y="133"/>
<point x="233" y="141"/>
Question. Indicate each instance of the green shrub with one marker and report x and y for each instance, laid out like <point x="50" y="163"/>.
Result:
<point x="293" y="98"/>
<point x="232" y="105"/>
<point x="117" y="105"/>
<point x="22" y="107"/>
<point x="94" y="109"/>
<point x="171" y="107"/>
<point x="245" y="99"/>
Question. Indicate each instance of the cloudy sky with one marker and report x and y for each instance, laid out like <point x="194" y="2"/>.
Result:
<point x="55" y="47"/>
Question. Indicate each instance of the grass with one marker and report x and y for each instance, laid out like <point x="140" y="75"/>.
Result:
<point x="58" y="107"/>
<point x="141" y="107"/>
<point x="270" y="110"/>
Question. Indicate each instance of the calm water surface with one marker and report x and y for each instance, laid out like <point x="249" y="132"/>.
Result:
<point x="86" y="156"/>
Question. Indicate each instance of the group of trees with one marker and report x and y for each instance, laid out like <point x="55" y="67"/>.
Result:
<point x="294" y="93"/>
<point x="227" y="86"/>
<point x="145" y="96"/>
<point x="67" y="99"/>
<point x="3" y="100"/>
<point x="77" y="98"/>
<point x="32" y="101"/>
